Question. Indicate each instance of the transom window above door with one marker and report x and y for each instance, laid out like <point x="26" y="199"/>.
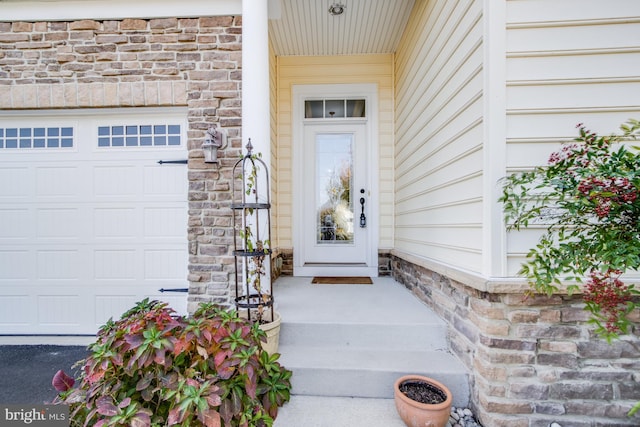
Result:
<point x="334" y="108"/>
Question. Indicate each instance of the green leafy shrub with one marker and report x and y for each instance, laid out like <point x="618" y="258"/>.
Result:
<point x="588" y="198"/>
<point x="153" y="368"/>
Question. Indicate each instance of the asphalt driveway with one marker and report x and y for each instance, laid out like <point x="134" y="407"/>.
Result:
<point x="26" y="371"/>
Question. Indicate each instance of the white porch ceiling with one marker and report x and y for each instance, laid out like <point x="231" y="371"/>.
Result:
<point x="305" y="27"/>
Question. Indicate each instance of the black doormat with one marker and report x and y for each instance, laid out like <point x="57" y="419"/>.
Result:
<point x="358" y="280"/>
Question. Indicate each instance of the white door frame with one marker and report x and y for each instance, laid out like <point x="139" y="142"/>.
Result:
<point x="369" y="92"/>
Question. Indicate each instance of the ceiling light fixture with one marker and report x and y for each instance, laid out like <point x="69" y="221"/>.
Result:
<point x="336" y="9"/>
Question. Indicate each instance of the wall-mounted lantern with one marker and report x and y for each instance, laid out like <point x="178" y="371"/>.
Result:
<point x="214" y="140"/>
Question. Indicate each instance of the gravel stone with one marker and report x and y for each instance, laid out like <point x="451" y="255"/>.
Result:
<point x="463" y="417"/>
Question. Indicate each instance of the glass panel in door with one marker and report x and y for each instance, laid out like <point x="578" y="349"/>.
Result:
<point x="334" y="188"/>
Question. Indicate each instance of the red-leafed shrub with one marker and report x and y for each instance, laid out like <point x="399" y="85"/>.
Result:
<point x="153" y="368"/>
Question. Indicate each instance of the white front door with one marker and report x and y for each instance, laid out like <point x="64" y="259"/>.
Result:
<point x="335" y="173"/>
<point x="335" y="186"/>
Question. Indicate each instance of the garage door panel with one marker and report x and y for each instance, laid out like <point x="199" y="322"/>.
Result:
<point x="58" y="223"/>
<point x="15" y="183"/>
<point x="15" y="224"/>
<point x="15" y="264"/>
<point x="113" y="264"/>
<point x="116" y="181"/>
<point x="115" y="223"/>
<point x="61" y="183"/>
<point x="166" y="181"/>
<point x="112" y="306"/>
<point x="165" y="222"/>
<point x="58" y="265"/>
<point x="18" y="310"/>
<point x="59" y="310"/>
<point x="164" y="264"/>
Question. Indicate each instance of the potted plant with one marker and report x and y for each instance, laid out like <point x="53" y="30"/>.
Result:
<point x="251" y="215"/>
<point x="153" y="368"/>
<point x="422" y="401"/>
<point x="587" y="198"/>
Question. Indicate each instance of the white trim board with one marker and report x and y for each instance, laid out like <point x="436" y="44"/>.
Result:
<point x="63" y="10"/>
<point x="369" y="92"/>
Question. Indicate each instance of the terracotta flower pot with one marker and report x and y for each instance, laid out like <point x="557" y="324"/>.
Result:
<point x="416" y="414"/>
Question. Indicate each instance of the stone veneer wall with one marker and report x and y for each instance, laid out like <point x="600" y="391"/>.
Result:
<point x="195" y="63"/>
<point x="533" y="361"/>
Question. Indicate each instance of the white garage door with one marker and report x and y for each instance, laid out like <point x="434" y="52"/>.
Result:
<point x="90" y="223"/>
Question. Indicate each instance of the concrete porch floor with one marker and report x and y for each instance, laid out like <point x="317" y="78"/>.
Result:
<point x="384" y="302"/>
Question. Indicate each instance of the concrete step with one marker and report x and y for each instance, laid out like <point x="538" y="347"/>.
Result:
<point x="354" y="341"/>
<point x="322" y="411"/>
<point x="409" y="336"/>
<point x="369" y="373"/>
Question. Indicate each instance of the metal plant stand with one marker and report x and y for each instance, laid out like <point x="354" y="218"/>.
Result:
<point x="251" y="207"/>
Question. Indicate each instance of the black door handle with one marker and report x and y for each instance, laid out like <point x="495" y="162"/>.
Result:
<point x="363" y="218"/>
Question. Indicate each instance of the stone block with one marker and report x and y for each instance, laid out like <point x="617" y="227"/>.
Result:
<point x="583" y="407"/>
<point x="86" y="24"/>
<point x="550" y="315"/>
<point x="81" y="35"/>
<point x="549" y="408"/>
<point x="5" y="97"/>
<point x="110" y="94"/>
<point x="133" y="24"/>
<point x="179" y="93"/>
<point x="44" y="96"/>
<point x="111" y="38"/>
<point x="528" y="390"/>
<point x="559" y="346"/>
<point x="507" y="344"/>
<point x="466" y="328"/>
<point x="209" y="75"/>
<point x="558" y="359"/>
<point x="574" y="314"/>
<point x="489" y="371"/>
<point x="163" y="23"/>
<point x="216" y="21"/>
<point x="214" y="250"/>
<point x="507" y="357"/>
<point x="61" y="35"/>
<point x="548" y="331"/>
<point x="487" y="309"/>
<point x="522" y="372"/>
<point x="535" y="300"/>
<point x="157" y="56"/>
<point x="71" y="95"/>
<point x="489" y="326"/>
<point x="629" y="390"/>
<point x="84" y="95"/>
<point x="505" y="406"/>
<point x="20" y="27"/>
<point x="604" y="374"/>
<point x="488" y="388"/>
<point x="88" y="49"/>
<point x="583" y="390"/>
<point x="34" y="45"/>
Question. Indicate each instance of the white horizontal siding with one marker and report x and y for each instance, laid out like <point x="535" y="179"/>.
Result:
<point x="439" y="149"/>
<point x="568" y="62"/>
